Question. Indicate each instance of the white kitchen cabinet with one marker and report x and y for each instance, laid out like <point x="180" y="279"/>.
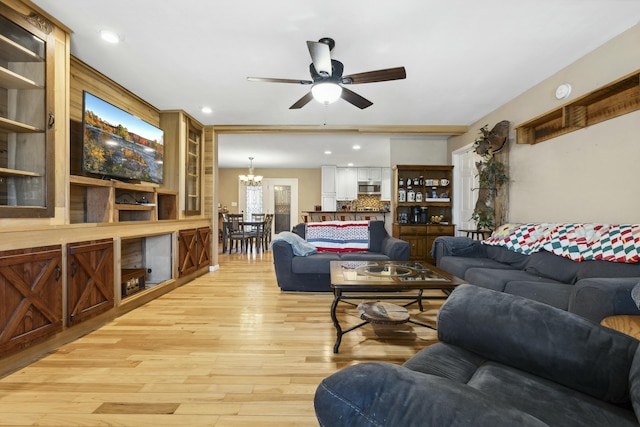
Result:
<point x="385" y="186"/>
<point x="328" y="179"/>
<point x="369" y="174"/>
<point x="346" y="184"/>
<point x="329" y="202"/>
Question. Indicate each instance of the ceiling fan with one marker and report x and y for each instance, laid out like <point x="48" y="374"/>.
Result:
<point x="327" y="80"/>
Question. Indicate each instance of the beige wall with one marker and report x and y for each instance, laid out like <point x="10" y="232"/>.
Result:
<point x="308" y="185"/>
<point x="589" y="175"/>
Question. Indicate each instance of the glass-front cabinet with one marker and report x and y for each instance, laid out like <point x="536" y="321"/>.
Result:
<point x="26" y="116"/>
<point x="193" y="178"/>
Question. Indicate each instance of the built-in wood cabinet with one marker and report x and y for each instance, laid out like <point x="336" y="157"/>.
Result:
<point x="90" y="286"/>
<point x="27" y="115"/>
<point x="30" y="296"/>
<point x="193" y="173"/>
<point x="194" y="250"/>
<point x="422" y="193"/>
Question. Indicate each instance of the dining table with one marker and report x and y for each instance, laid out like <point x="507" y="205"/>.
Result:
<point x="253" y="228"/>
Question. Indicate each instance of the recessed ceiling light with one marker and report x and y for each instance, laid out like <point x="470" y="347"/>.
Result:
<point x="349" y="164"/>
<point x="356" y="147"/>
<point x="207" y="110"/>
<point x="327" y="152"/>
<point x="110" y="36"/>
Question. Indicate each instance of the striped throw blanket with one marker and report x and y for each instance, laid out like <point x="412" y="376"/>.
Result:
<point x="339" y="236"/>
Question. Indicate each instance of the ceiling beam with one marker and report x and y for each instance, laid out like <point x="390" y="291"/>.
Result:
<point x="447" y="130"/>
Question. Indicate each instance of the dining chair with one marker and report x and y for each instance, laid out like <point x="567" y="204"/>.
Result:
<point x="236" y="234"/>
<point x="266" y="232"/>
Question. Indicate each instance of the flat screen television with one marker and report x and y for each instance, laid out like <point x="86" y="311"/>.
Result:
<point x="119" y="145"/>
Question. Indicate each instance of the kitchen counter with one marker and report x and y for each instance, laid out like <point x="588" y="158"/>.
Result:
<point x="345" y="215"/>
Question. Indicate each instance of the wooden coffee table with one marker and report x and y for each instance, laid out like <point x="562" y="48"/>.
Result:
<point x="385" y="280"/>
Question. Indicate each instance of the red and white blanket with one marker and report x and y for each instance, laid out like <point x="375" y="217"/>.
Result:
<point x="579" y="242"/>
<point x="339" y="236"/>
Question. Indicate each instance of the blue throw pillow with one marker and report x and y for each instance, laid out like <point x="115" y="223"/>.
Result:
<point x="300" y="246"/>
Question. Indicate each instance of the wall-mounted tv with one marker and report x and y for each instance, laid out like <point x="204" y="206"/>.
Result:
<point x="118" y="144"/>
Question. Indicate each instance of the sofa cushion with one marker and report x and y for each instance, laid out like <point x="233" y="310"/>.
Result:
<point x="299" y="246"/>
<point x="457" y="265"/>
<point x="554" y="267"/>
<point x="554" y="294"/>
<point x="377" y="233"/>
<point x="314" y="264"/>
<point x="589" y="358"/>
<point x="363" y="256"/>
<point x="507" y="256"/>
<point x="497" y="279"/>
<point x="599" y="268"/>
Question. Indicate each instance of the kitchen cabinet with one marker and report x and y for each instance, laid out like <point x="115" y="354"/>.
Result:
<point x="30" y="296"/>
<point x="27" y="116"/>
<point x="385" y="185"/>
<point x="369" y="174"/>
<point x="328" y="179"/>
<point x="346" y="184"/>
<point x="90" y="284"/>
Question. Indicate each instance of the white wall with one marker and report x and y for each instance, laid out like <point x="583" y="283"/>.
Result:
<point x="589" y="175"/>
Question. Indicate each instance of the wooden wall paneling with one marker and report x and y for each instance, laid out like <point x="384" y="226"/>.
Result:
<point x="131" y="252"/>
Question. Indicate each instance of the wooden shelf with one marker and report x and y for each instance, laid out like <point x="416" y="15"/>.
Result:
<point x="14" y="172"/>
<point x="612" y="100"/>
<point x="17" y="127"/>
<point x="96" y="201"/>
<point x="11" y="80"/>
<point x="11" y="51"/>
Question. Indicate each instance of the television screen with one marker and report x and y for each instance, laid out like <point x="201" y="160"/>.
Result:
<point x="118" y="144"/>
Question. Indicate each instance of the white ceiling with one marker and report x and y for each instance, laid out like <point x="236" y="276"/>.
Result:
<point x="463" y="58"/>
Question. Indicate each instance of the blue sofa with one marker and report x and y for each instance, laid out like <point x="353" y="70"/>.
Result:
<point x="311" y="273"/>
<point x="593" y="289"/>
<point x="502" y="360"/>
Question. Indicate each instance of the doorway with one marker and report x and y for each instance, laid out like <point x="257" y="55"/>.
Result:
<point x="465" y="186"/>
<point x="279" y="197"/>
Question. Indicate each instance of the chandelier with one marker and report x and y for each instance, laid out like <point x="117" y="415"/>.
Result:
<point x="251" y="179"/>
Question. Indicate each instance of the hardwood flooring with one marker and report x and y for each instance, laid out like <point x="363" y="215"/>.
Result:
<point x="228" y="349"/>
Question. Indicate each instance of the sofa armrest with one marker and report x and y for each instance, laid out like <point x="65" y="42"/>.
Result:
<point x="457" y="246"/>
<point x="539" y="339"/>
<point x="384" y="394"/>
<point x="282" y="258"/>
<point x="597" y="298"/>
<point x="395" y="249"/>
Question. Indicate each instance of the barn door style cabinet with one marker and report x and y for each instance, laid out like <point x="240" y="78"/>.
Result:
<point x="27" y="115"/>
<point x="30" y="296"/>
<point x="90" y="288"/>
<point x="194" y="250"/>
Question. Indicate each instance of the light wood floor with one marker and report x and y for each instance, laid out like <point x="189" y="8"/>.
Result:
<point x="228" y="349"/>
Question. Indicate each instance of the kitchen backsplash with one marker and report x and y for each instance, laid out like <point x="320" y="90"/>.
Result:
<point x="363" y="200"/>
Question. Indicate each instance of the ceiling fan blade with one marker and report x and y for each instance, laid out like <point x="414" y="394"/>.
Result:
<point x="321" y="57"/>
<point x="270" y="80"/>
<point x="302" y="101"/>
<point x="355" y="99"/>
<point x="387" y="74"/>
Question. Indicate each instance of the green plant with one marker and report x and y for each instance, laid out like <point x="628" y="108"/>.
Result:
<point x="492" y="175"/>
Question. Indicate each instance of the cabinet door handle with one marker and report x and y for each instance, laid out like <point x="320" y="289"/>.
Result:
<point x="52" y="120"/>
<point x="58" y="273"/>
<point x="73" y="269"/>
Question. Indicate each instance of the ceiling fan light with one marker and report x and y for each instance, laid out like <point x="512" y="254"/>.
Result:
<point x="327" y="92"/>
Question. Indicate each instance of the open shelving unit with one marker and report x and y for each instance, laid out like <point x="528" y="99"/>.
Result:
<point x="612" y="100"/>
<point x="96" y="200"/>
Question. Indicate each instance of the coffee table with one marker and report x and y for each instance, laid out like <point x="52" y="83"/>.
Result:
<point x="388" y="280"/>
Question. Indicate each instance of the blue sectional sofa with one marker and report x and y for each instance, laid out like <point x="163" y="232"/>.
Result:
<point x="592" y="288"/>
<point x="502" y="360"/>
<point x="311" y="273"/>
